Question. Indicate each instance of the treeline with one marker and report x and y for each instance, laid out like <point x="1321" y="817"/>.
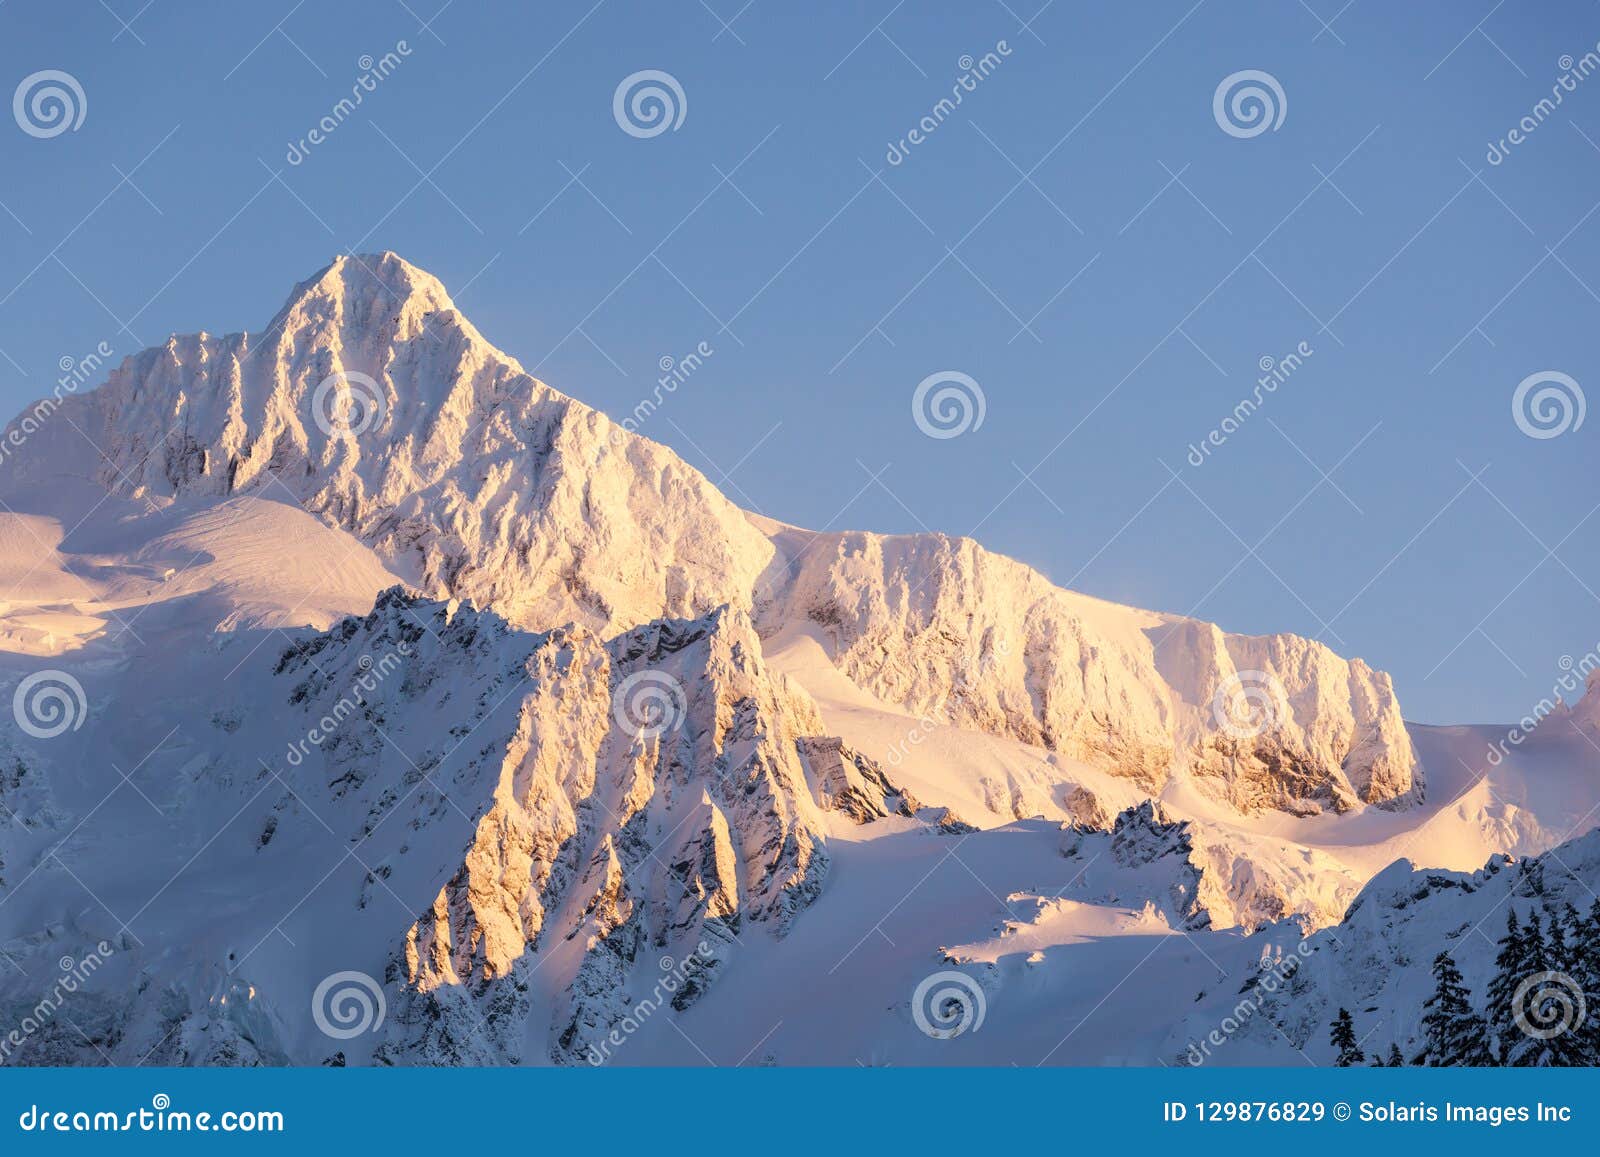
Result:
<point x="1542" y="1005"/>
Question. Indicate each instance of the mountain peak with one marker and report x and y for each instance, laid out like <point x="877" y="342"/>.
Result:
<point x="357" y="276"/>
<point x="364" y="293"/>
<point x="372" y="403"/>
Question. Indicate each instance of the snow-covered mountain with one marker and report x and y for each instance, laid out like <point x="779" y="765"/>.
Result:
<point x="373" y="404"/>
<point x="401" y="689"/>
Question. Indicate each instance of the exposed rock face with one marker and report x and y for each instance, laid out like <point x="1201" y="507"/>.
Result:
<point x="849" y="782"/>
<point x="944" y="628"/>
<point x="1145" y="835"/>
<point x="648" y="799"/>
<point x="1216" y="878"/>
<point x="1330" y="731"/>
<point x="1086" y="809"/>
<point x="635" y="810"/>
<point x="946" y="821"/>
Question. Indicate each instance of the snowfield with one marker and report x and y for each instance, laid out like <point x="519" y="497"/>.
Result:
<point x="375" y="703"/>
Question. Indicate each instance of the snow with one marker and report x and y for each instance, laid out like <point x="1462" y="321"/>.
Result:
<point x="888" y="756"/>
<point x="947" y="630"/>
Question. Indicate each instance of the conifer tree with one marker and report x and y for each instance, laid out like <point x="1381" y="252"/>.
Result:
<point x="1555" y="1006"/>
<point x="1558" y="953"/>
<point x="1572" y="929"/>
<point x="1591" y="935"/>
<point x="1537" y="1005"/>
<point x="1396" y="1061"/>
<point x="1343" y="1038"/>
<point x="1536" y="946"/>
<point x="1583" y="940"/>
<point x="1453" y="1034"/>
<point x="1510" y="966"/>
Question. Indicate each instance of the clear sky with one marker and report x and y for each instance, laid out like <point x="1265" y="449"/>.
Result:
<point x="1080" y="236"/>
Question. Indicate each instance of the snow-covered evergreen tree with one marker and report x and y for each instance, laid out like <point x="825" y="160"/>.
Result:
<point x="1454" y="1034"/>
<point x="1554" y="1007"/>
<point x="1583" y="940"/>
<point x="1343" y="1038"/>
<point x="1537" y="1001"/>
<point x="1537" y="945"/>
<point x="1510" y="968"/>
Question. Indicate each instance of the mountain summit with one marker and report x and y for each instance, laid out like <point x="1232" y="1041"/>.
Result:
<point x="372" y="403"/>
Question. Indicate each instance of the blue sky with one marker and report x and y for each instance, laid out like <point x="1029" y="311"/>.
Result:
<point x="1080" y="236"/>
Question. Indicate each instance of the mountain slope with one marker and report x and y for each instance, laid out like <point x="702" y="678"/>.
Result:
<point x="1376" y="962"/>
<point x="510" y="829"/>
